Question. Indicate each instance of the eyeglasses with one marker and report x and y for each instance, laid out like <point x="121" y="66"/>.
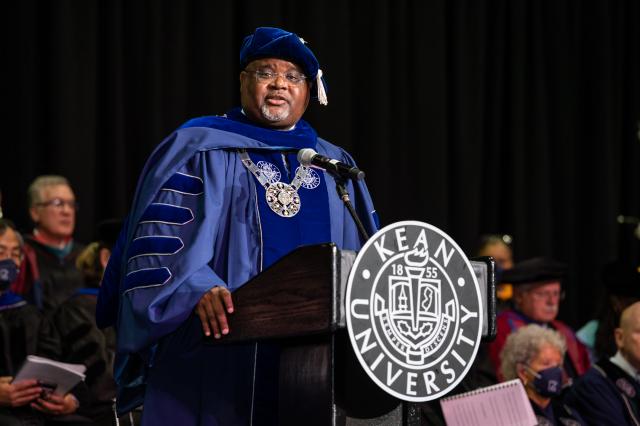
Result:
<point x="292" y="77"/>
<point x="59" y="203"/>
<point x="545" y="295"/>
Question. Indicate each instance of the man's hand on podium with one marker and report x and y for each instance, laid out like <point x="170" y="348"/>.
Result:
<point x="212" y="310"/>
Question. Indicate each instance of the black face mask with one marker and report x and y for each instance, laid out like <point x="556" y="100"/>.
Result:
<point x="8" y="273"/>
<point x="548" y="382"/>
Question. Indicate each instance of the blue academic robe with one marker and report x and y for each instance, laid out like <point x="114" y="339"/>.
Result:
<point x="196" y="222"/>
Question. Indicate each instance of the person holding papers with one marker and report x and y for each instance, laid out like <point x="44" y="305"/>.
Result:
<point x="23" y="402"/>
<point x="534" y="355"/>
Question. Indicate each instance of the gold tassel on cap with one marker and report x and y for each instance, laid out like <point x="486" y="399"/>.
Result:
<point x="322" y="95"/>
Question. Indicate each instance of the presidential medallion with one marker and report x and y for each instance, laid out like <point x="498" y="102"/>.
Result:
<point x="283" y="199"/>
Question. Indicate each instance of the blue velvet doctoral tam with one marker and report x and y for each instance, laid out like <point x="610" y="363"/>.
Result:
<point x="199" y="220"/>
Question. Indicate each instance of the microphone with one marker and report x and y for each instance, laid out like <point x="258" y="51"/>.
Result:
<point x="308" y="157"/>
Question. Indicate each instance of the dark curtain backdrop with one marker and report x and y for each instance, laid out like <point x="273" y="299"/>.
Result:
<point x="476" y="116"/>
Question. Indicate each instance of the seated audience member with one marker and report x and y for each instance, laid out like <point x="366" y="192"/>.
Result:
<point x="27" y="332"/>
<point x="609" y="393"/>
<point x="499" y="247"/>
<point x="536" y="299"/>
<point x="622" y="284"/>
<point x="51" y="251"/>
<point x="534" y="355"/>
<point x="82" y="341"/>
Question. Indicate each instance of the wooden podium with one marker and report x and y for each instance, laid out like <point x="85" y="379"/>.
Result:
<point x="298" y="304"/>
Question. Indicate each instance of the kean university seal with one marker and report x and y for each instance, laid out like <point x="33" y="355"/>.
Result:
<point x="414" y="311"/>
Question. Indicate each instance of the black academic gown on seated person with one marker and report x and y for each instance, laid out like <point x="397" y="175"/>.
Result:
<point x="82" y="342"/>
<point x="23" y="331"/>
<point x="59" y="278"/>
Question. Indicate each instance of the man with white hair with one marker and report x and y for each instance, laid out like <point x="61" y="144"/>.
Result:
<point x="609" y="393"/>
<point x="49" y="275"/>
<point x="536" y="300"/>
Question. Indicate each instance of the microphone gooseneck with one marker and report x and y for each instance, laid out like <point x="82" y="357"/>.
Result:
<point x="340" y="172"/>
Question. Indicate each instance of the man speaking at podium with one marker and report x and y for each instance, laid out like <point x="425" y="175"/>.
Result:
<point x="220" y="200"/>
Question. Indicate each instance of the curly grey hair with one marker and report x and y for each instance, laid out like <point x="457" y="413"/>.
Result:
<point x="35" y="189"/>
<point x="524" y="344"/>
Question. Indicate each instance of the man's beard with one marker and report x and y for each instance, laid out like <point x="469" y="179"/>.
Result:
<point x="274" y="117"/>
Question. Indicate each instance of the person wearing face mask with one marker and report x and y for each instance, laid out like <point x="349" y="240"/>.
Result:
<point x="536" y="300"/>
<point x="534" y="355"/>
<point x="609" y="393"/>
<point x="219" y="201"/>
<point x="23" y="331"/>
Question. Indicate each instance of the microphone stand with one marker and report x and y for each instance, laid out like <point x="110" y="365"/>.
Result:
<point x="344" y="196"/>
